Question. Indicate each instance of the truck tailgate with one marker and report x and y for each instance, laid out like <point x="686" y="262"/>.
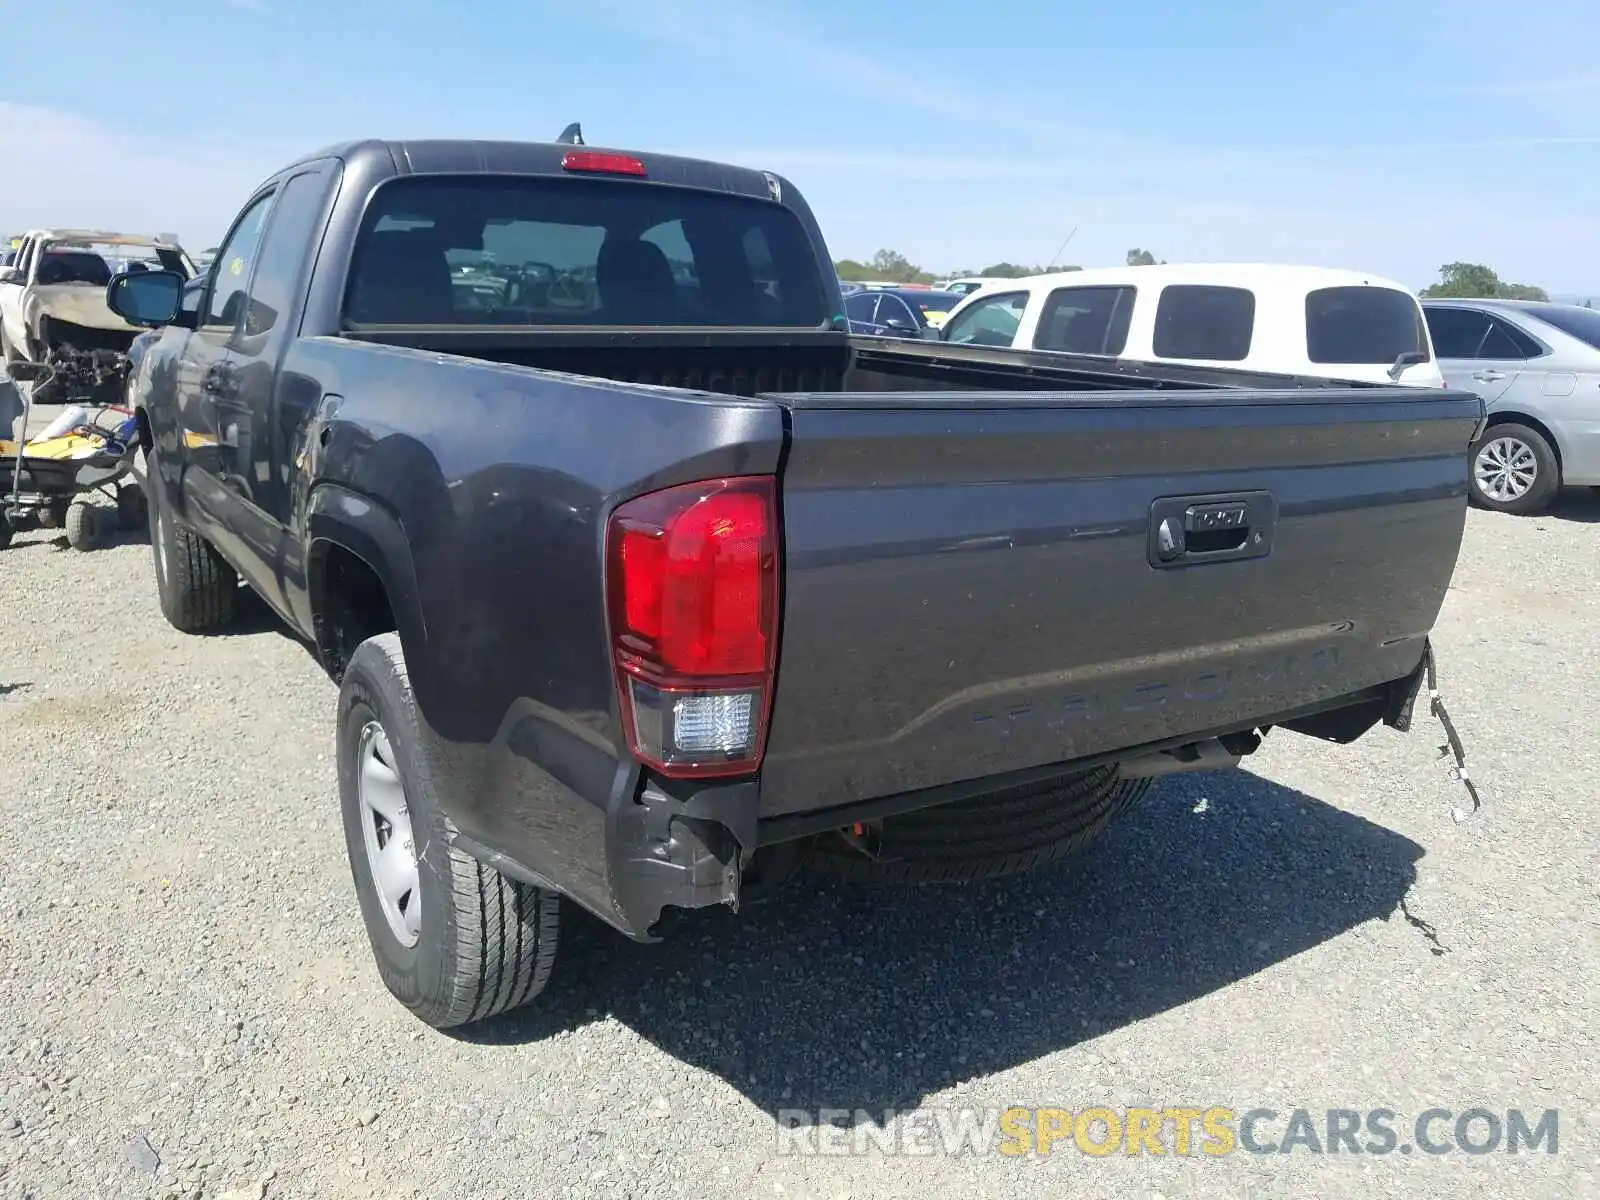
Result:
<point x="978" y="582"/>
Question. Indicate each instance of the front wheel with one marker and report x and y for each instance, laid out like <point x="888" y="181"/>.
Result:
<point x="195" y="584"/>
<point x="455" y="941"/>
<point x="1513" y="470"/>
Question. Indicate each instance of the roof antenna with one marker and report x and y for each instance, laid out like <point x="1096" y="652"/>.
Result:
<point x="572" y="135"/>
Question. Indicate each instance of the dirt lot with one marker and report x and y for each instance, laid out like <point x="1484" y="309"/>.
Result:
<point x="187" y="1003"/>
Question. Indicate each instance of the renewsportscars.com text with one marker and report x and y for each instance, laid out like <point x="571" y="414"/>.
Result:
<point x="1215" y="1131"/>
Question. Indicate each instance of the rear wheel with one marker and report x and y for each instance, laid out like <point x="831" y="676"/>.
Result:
<point x="1011" y="831"/>
<point x="196" y="586"/>
<point x="1513" y="470"/>
<point x="454" y="940"/>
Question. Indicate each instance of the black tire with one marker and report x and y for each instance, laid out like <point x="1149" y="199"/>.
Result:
<point x="196" y="585"/>
<point x="485" y="943"/>
<point x="1547" y="470"/>
<point x="6" y="532"/>
<point x="133" y="510"/>
<point x="86" y="525"/>
<point x="1015" y="830"/>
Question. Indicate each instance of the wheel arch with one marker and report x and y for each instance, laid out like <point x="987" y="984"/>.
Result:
<point x="360" y="578"/>
<point x="1511" y="416"/>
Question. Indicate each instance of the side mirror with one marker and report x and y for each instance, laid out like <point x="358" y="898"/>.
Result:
<point x="900" y="325"/>
<point x="1410" y="358"/>
<point x="10" y="275"/>
<point x="148" y="298"/>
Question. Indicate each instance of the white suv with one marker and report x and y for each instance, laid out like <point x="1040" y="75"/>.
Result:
<point x="1290" y="320"/>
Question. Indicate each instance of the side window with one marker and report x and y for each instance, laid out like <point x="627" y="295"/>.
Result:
<point x="1200" y="321"/>
<point x="991" y="321"/>
<point x="1456" y="332"/>
<point x="1505" y="340"/>
<point x="1086" y="320"/>
<point x="283" y="253"/>
<point x="1361" y="324"/>
<point x="234" y="262"/>
<point x="858" y="307"/>
<point x="892" y="308"/>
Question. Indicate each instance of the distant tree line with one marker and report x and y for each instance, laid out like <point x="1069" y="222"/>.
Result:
<point x="893" y="267"/>
<point x="1464" y="280"/>
<point x="1457" y="279"/>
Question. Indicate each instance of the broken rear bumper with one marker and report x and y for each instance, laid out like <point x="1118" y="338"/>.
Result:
<point x="627" y="846"/>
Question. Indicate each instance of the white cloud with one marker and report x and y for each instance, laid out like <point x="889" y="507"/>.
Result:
<point x="65" y="170"/>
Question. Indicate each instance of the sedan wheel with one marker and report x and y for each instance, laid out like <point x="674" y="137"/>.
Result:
<point x="1506" y="469"/>
<point x="1513" y="470"/>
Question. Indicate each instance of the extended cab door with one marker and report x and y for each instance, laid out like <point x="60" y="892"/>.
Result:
<point x="267" y="410"/>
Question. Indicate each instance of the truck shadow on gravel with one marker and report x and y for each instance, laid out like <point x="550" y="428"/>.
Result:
<point x="866" y="996"/>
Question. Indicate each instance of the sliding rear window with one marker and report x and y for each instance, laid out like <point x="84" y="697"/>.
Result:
<point x="539" y="251"/>
<point x="1370" y="326"/>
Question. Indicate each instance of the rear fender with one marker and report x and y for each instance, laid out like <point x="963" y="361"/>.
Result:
<point x="336" y="516"/>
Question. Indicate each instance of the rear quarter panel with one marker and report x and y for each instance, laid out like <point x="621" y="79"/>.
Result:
<point x="502" y="480"/>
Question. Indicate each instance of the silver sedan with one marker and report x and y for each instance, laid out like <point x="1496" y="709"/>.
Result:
<point x="1537" y="367"/>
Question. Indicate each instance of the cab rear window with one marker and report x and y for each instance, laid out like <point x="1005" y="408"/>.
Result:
<point x="1360" y="325"/>
<point x="470" y="250"/>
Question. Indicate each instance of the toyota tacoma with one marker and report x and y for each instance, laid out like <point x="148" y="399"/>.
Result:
<point x="643" y="581"/>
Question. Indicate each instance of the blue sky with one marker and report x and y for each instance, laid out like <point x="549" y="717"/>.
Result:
<point x="959" y="132"/>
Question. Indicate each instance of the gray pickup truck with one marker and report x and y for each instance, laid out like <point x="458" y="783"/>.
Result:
<point x="645" y="582"/>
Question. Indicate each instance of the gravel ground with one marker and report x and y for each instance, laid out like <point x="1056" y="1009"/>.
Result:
<point x="188" y="1006"/>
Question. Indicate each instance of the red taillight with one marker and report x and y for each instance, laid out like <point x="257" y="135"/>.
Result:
<point x="599" y="160"/>
<point x="692" y="584"/>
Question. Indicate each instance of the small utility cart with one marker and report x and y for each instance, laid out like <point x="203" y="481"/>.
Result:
<point x="47" y="481"/>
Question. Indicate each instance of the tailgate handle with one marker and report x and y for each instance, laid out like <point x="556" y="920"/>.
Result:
<point x="1190" y="530"/>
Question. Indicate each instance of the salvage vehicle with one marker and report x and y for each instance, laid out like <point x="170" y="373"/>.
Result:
<point x="639" y="604"/>
<point x="53" y="308"/>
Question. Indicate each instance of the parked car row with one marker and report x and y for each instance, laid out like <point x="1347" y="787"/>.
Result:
<point x="1536" y="365"/>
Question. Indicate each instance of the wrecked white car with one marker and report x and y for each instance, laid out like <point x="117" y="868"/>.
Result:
<point x="53" y="307"/>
